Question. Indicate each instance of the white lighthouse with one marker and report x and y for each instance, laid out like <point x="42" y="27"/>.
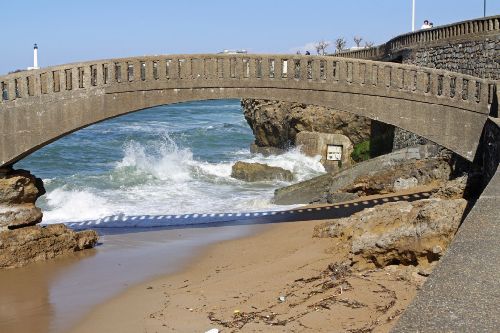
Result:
<point x="35" y="58"/>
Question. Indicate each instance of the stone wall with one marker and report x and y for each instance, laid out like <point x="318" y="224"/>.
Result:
<point x="480" y="58"/>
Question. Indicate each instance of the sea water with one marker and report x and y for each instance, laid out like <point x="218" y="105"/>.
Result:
<point x="173" y="159"/>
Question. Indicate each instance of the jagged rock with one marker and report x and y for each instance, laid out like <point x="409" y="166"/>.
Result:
<point x="252" y="172"/>
<point x="19" y="247"/>
<point x="403" y="175"/>
<point x="340" y="197"/>
<point x="406" y="233"/>
<point x="378" y="175"/>
<point x="276" y="124"/>
<point x="404" y="183"/>
<point x="18" y="193"/>
<point x="19" y="187"/>
<point x="453" y="189"/>
<point x="19" y="216"/>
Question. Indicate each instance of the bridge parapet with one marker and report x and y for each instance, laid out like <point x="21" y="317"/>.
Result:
<point x="209" y="70"/>
<point x="40" y="106"/>
<point x="466" y="30"/>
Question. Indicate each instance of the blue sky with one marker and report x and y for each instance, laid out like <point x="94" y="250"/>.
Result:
<point x="76" y="30"/>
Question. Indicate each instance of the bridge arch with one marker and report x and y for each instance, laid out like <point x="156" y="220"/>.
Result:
<point x="40" y="106"/>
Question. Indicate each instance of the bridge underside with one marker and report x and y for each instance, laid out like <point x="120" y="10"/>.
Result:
<point x="455" y="129"/>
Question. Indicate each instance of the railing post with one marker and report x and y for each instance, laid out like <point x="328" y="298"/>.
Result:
<point x="22" y="87"/>
<point x="99" y="76"/>
<point x="446" y="86"/>
<point x="210" y="68"/>
<point x="11" y="90"/>
<point x="265" y="68"/>
<point x="315" y="69"/>
<point x="149" y="70"/>
<point x="111" y="73"/>
<point x="86" y="77"/>
<point x="252" y="63"/>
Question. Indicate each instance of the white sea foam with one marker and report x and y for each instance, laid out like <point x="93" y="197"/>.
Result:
<point x="180" y="184"/>
<point x="71" y="205"/>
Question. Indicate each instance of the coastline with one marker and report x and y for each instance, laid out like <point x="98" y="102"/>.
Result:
<point x="234" y="285"/>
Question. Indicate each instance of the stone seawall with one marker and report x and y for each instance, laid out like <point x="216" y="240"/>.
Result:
<point x="477" y="58"/>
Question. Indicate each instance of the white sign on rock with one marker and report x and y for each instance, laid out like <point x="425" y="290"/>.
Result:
<point x="334" y="153"/>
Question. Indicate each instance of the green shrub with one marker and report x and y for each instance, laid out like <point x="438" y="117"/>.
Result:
<point x="361" y="151"/>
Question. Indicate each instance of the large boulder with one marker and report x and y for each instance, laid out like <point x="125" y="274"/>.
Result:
<point x="21" y="246"/>
<point x="408" y="233"/>
<point x="252" y="172"/>
<point x="18" y="192"/>
<point x="404" y="168"/>
<point x="316" y="143"/>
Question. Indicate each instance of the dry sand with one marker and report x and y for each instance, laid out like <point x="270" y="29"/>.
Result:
<point x="235" y="286"/>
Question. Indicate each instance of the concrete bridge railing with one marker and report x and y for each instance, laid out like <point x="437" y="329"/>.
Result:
<point x="466" y="30"/>
<point x="39" y="106"/>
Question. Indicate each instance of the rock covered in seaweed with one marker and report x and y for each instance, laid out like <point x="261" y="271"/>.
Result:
<point x="252" y="172"/>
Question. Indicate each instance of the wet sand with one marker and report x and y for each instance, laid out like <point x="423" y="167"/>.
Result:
<point x="52" y="296"/>
<point x="235" y="286"/>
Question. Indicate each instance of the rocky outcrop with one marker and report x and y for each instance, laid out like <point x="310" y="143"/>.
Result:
<point x="18" y="192"/>
<point x="21" y="246"/>
<point x="405" y="233"/>
<point x="388" y="173"/>
<point x="252" y="172"/>
<point x="318" y="144"/>
<point x="276" y="124"/>
<point x="21" y="240"/>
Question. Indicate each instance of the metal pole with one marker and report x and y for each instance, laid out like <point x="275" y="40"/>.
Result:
<point x="484" y="8"/>
<point x="413" y="16"/>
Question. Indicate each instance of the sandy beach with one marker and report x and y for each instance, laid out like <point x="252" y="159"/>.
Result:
<point x="278" y="280"/>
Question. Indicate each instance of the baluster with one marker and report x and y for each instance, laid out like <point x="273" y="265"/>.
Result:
<point x="174" y="69"/>
<point x="342" y="71"/>
<point x="22" y="87"/>
<point x="434" y="78"/>
<point x="75" y="78"/>
<point x="303" y="68"/>
<point x="472" y="91"/>
<point x="86" y="76"/>
<point x="11" y="90"/>
<point x="291" y="68"/>
<point x="123" y="71"/>
<point x="137" y="71"/>
<point x="265" y="68"/>
<point x="111" y="73"/>
<point x="226" y="67"/>
<point x="160" y="69"/>
<point x="484" y="93"/>
<point x="238" y="68"/>
<point x="211" y="68"/>
<point x="446" y="86"/>
<point x="316" y="70"/>
<point x="149" y="70"/>
<point x="253" y="68"/>
<point x="99" y="75"/>
<point x="278" y="68"/>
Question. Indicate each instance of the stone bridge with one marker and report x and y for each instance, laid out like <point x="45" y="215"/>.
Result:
<point x="40" y="106"/>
